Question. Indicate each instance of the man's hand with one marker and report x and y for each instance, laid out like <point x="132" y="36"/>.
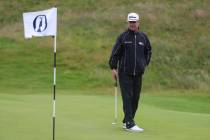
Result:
<point x="114" y="73"/>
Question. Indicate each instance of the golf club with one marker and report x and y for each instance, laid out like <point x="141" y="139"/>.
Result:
<point x="115" y="102"/>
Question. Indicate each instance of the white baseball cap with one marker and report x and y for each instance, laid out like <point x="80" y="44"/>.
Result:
<point x="133" y="17"/>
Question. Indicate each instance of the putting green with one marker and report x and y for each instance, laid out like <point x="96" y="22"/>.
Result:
<point x="89" y="117"/>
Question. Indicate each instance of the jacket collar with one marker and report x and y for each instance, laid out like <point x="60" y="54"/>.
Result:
<point x="132" y="32"/>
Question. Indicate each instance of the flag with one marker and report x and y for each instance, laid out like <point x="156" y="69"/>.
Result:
<point x="40" y="23"/>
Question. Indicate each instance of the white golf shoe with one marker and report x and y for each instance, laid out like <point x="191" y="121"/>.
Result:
<point x="135" y="128"/>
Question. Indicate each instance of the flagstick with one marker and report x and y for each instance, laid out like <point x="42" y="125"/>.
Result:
<point x="54" y="87"/>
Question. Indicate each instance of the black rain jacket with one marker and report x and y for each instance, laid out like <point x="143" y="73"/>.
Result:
<point x="131" y="53"/>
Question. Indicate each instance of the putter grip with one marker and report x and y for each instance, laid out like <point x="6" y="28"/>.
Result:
<point x="115" y="81"/>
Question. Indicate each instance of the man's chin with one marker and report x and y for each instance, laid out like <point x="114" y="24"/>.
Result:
<point x="133" y="29"/>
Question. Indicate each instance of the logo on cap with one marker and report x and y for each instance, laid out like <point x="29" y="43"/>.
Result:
<point x="132" y="17"/>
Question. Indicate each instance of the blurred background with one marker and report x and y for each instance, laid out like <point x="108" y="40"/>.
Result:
<point x="87" y="30"/>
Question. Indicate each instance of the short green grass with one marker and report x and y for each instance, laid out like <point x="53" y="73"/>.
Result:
<point x="83" y="116"/>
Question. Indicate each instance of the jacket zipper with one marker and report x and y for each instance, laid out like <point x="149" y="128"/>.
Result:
<point x="124" y="59"/>
<point x="134" y="72"/>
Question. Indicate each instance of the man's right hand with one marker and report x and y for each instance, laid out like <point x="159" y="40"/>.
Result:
<point x="114" y="73"/>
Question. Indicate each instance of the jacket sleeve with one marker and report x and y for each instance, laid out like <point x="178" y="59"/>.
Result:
<point x="148" y="50"/>
<point x="116" y="53"/>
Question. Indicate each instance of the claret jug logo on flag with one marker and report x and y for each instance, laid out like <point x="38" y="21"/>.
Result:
<point x="40" y="23"/>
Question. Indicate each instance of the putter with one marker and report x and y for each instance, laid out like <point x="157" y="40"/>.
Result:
<point x="115" y="102"/>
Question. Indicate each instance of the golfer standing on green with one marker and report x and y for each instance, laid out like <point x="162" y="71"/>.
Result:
<point x="130" y="56"/>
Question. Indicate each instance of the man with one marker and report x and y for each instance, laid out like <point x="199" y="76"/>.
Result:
<point x="130" y="56"/>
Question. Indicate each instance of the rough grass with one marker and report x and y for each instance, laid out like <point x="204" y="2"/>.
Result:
<point x="87" y="30"/>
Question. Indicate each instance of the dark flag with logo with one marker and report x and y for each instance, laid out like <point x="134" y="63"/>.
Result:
<point x="40" y="23"/>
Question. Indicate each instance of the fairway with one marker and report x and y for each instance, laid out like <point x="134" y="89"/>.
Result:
<point x="89" y="117"/>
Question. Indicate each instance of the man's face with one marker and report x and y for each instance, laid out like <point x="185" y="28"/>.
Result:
<point x="133" y="25"/>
